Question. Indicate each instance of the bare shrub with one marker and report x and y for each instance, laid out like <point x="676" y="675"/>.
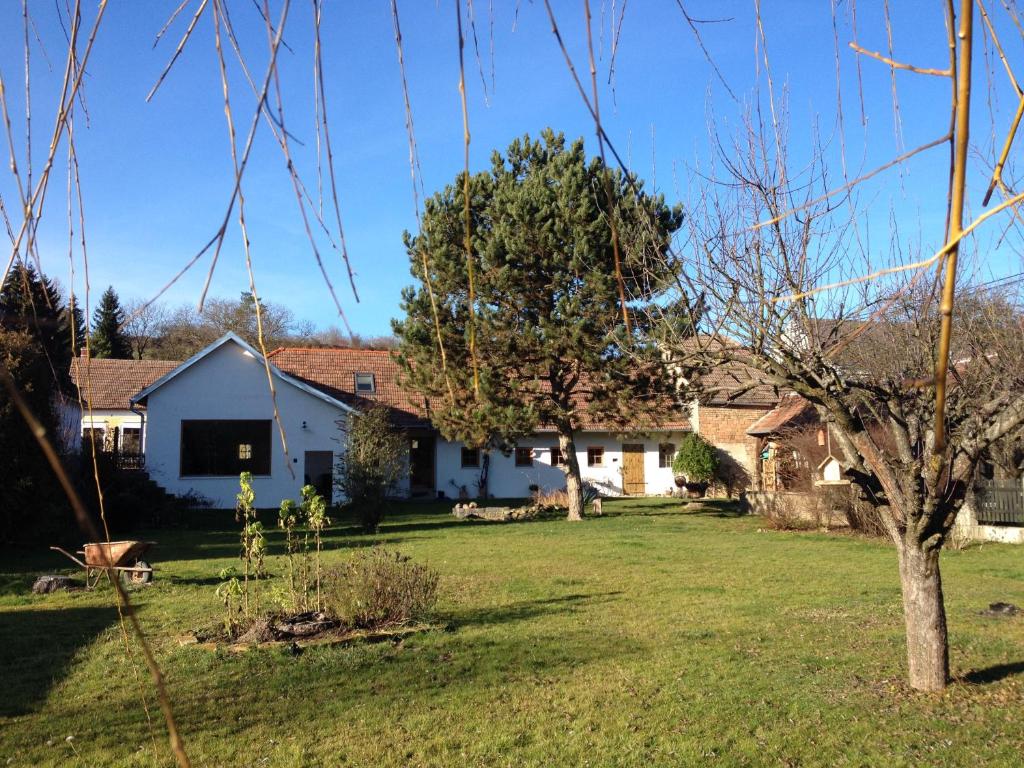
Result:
<point x="380" y="588"/>
<point x="784" y="513"/>
<point x="862" y="516"/>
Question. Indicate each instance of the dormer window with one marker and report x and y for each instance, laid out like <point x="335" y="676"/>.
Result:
<point x="365" y="385"/>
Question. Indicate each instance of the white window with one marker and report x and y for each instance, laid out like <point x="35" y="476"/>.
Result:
<point x="365" y="383"/>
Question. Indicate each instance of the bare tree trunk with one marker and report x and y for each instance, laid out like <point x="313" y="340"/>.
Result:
<point x="573" y="480"/>
<point x="925" y="616"/>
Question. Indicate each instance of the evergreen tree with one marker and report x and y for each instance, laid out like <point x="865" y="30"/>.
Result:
<point x="108" y="340"/>
<point x="35" y="348"/>
<point x="76" y="326"/>
<point x="30" y="303"/>
<point x="551" y="347"/>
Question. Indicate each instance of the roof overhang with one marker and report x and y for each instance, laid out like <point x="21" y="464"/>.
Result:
<point x="233" y="338"/>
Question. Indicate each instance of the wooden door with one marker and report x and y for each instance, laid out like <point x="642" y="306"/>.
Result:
<point x="633" y="483"/>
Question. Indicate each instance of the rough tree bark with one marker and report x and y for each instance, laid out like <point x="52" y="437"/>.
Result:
<point x="573" y="479"/>
<point x="925" y="616"/>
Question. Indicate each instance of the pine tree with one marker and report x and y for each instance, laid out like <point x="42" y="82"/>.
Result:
<point x="29" y="302"/>
<point x="35" y="348"/>
<point x="75" y="326"/>
<point x="108" y="340"/>
<point x="551" y="346"/>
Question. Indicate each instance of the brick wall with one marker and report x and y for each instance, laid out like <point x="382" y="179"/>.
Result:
<point x="726" y="429"/>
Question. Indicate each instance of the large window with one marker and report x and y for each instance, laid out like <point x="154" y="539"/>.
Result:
<point x="666" y="453"/>
<point x="225" y="447"/>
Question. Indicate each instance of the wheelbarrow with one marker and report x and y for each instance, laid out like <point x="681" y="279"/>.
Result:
<point x="121" y="557"/>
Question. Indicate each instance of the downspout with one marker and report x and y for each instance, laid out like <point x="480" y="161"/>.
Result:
<point x="142" y="431"/>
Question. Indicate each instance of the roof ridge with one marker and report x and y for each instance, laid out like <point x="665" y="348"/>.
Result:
<point x="329" y="349"/>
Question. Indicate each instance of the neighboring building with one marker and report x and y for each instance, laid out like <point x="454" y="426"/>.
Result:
<point x="106" y="412"/>
<point x="614" y="463"/>
<point x="780" y="462"/>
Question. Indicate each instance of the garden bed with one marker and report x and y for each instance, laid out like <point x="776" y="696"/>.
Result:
<point x="327" y="636"/>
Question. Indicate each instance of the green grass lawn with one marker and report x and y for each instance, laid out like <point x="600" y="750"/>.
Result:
<point x="661" y="634"/>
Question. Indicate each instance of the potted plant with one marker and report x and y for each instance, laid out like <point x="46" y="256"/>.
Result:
<point x="695" y="464"/>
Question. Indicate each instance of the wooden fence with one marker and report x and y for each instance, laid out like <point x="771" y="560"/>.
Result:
<point x="1000" y="502"/>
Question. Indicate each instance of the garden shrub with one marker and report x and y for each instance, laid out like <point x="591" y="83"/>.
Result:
<point x="371" y="465"/>
<point x="380" y="588"/>
<point x="696" y="459"/>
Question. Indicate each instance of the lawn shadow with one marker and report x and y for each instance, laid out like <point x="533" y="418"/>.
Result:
<point x="37" y="648"/>
<point x="722" y="508"/>
<point x="994" y="673"/>
<point x="526" y="609"/>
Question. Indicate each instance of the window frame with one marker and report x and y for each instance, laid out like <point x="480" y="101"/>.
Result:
<point x="595" y="456"/>
<point x="99" y="435"/>
<point x="663" y="461"/>
<point x="124" y="433"/>
<point x="465" y="451"/>
<point x="361" y="391"/>
<point x="524" y="451"/>
<point x="557" y="459"/>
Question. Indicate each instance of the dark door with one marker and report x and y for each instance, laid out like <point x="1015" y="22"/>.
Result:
<point x="320" y="472"/>
<point x="421" y="465"/>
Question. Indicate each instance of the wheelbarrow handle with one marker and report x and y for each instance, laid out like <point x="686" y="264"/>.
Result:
<point x="69" y="556"/>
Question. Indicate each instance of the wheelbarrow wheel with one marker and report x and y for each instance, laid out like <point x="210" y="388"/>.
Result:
<point x="138" y="577"/>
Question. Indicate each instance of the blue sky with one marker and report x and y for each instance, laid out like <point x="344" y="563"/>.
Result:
<point x="156" y="176"/>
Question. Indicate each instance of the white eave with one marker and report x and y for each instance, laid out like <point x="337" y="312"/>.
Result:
<point x="248" y="349"/>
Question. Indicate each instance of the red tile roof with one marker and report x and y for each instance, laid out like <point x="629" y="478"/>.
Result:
<point x="333" y="371"/>
<point x="731" y="382"/>
<point x="110" y="384"/>
<point x="791" y="411"/>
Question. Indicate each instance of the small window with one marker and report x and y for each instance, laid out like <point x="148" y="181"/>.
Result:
<point x="470" y="457"/>
<point x="365" y="383"/>
<point x="245" y="451"/>
<point x="524" y="456"/>
<point x="557" y="459"/>
<point x="666" y="453"/>
<point x="595" y="457"/>
<point x="131" y="440"/>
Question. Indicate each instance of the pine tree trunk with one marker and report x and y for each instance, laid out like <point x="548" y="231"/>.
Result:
<point x="573" y="480"/>
<point x="925" y="615"/>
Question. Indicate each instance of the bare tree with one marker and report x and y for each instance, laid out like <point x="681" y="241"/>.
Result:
<point x="144" y="324"/>
<point x="786" y="298"/>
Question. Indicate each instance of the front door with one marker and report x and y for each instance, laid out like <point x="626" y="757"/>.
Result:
<point x="421" y="465"/>
<point x="319" y="472"/>
<point x="633" y="483"/>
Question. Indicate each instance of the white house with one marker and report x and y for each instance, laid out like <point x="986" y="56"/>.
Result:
<point x="618" y="464"/>
<point x="212" y="417"/>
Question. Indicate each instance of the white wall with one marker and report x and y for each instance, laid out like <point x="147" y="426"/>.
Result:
<point x="506" y="480"/>
<point x="229" y="383"/>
